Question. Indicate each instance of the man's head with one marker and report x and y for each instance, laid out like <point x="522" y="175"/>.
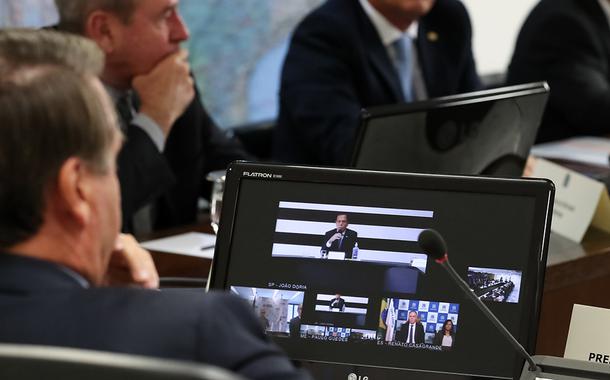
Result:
<point x="57" y="151"/>
<point x="401" y="13"/>
<point x="135" y="35"/>
<point x="341" y="222"/>
<point x="412" y="316"/>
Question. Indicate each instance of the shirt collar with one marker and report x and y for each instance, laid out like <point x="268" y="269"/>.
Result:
<point x="75" y="276"/>
<point x="387" y="32"/>
<point x="605" y="4"/>
<point x="116" y="94"/>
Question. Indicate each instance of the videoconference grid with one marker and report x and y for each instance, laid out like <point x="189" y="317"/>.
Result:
<point x="408" y="323"/>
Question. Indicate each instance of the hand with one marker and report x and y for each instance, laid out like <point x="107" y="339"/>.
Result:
<point x="336" y="236"/>
<point x="166" y="90"/>
<point x="528" y="171"/>
<point x="131" y="265"/>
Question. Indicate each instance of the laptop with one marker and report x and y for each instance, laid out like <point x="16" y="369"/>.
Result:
<point x="487" y="132"/>
<point x="329" y="261"/>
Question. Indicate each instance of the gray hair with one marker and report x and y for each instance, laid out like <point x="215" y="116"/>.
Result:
<point x="49" y="111"/>
<point x="73" y="13"/>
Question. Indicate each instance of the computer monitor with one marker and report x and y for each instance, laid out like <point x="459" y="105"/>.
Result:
<point x="328" y="259"/>
<point x="486" y="132"/>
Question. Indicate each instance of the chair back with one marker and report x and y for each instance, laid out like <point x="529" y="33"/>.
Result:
<point x="32" y="362"/>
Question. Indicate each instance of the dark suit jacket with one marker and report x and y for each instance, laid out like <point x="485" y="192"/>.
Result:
<point x="295" y="327"/>
<point x="349" y="239"/>
<point x="337" y="304"/>
<point x="174" y="179"/>
<point x="567" y="43"/>
<point x="402" y="334"/>
<point x="41" y="304"/>
<point x="336" y="65"/>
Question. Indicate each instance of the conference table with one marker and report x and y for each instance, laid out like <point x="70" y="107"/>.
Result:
<point x="576" y="273"/>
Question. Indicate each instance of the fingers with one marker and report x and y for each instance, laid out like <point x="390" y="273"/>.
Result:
<point x="132" y="265"/>
<point x="528" y="171"/>
<point x="167" y="90"/>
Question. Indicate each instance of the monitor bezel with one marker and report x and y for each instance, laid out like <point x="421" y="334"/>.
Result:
<point x="507" y="92"/>
<point x="540" y="189"/>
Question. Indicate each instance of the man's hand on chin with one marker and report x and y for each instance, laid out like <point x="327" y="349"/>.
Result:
<point x="131" y="265"/>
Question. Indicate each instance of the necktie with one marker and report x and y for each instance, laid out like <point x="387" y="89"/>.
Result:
<point x="125" y="110"/>
<point x="403" y="49"/>
<point x="143" y="218"/>
<point x="340" y="245"/>
<point x="410" y="340"/>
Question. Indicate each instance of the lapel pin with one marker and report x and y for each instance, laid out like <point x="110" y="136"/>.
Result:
<point x="432" y="36"/>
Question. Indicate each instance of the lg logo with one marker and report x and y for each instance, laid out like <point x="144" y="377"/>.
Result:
<point x="353" y="376"/>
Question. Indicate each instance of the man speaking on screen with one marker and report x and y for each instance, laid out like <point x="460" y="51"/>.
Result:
<point x="340" y="238"/>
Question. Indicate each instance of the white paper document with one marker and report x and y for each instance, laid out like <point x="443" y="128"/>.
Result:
<point x="589" y="150"/>
<point x="588" y="339"/>
<point x="190" y="244"/>
<point x="579" y="201"/>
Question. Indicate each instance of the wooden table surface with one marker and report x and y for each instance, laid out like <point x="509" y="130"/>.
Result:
<point x="576" y="273"/>
<point x="173" y="265"/>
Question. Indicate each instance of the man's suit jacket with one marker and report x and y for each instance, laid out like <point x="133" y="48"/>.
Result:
<point x="337" y="64"/>
<point x="403" y="333"/>
<point x="41" y="304"/>
<point x="337" y="303"/>
<point x="349" y="239"/>
<point x="567" y="43"/>
<point x="174" y="179"/>
<point x="295" y="327"/>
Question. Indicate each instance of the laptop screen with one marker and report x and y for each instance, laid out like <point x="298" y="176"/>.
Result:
<point x="329" y="261"/>
<point x="486" y="132"/>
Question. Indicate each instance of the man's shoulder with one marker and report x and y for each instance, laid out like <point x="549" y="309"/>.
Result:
<point x="448" y="8"/>
<point x="448" y="15"/>
<point x="578" y="19"/>
<point x="564" y="9"/>
<point x="334" y="18"/>
<point x="333" y="10"/>
<point x="170" y="301"/>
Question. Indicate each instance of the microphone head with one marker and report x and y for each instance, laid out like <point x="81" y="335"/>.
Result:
<point x="432" y="243"/>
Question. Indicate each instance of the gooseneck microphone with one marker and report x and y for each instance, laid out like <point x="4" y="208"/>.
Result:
<point x="433" y="244"/>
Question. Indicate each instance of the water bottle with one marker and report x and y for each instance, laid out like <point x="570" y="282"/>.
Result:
<point x="355" y="252"/>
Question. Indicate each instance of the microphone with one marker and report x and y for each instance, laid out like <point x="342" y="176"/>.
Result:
<point x="433" y="244"/>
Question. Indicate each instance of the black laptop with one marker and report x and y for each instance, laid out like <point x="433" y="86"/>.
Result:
<point x="328" y="258"/>
<point x="487" y="132"/>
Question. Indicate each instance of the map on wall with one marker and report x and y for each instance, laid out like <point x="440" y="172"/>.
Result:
<point x="236" y="49"/>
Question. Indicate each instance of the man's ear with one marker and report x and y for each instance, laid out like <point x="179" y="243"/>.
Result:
<point x="101" y="26"/>
<point x="74" y="190"/>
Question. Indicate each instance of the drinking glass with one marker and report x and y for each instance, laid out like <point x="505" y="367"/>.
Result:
<point x="218" y="186"/>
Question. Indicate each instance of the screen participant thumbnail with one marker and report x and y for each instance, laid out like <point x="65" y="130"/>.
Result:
<point x="278" y="310"/>
<point x="337" y="334"/>
<point x="352" y="233"/>
<point x="418" y="323"/>
<point x="497" y="285"/>
<point x="342" y="304"/>
<point x="339" y="310"/>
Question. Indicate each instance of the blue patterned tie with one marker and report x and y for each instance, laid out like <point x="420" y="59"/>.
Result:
<point x="403" y="49"/>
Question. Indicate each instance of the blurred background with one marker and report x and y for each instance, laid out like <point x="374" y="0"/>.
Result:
<point x="237" y="46"/>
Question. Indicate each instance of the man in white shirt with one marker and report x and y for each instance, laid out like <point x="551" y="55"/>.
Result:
<point x="412" y="331"/>
<point x="347" y="55"/>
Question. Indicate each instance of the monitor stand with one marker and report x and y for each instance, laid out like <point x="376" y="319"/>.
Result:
<point x="565" y="369"/>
